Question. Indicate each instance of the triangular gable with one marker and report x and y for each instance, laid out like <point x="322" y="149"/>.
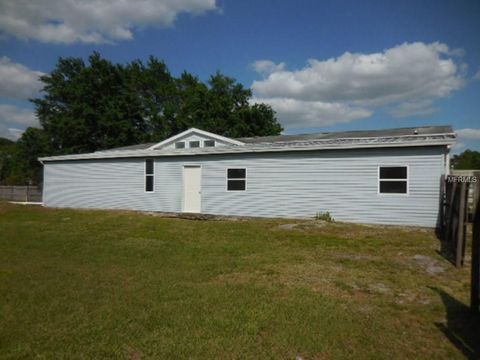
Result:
<point x="194" y="131"/>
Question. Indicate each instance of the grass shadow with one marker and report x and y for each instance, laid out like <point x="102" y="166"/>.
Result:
<point x="462" y="327"/>
<point x="446" y="250"/>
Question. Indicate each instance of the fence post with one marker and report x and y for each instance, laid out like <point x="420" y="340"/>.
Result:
<point x="476" y="191"/>
<point x="475" y="274"/>
<point x="442" y="205"/>
<point x="450" y="194"/>
<point x="461" y="225"/>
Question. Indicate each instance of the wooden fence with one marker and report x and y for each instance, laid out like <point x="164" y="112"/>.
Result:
<point x="460" y="198"/>
<point x="21" y="193"/>
<point x="473" y="195"/>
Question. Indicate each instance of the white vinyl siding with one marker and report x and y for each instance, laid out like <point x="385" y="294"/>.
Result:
<point x="295" y="184"/>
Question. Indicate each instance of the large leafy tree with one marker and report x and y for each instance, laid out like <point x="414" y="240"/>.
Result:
<point x="90" y="107"/>
<point x="100" y="105"/>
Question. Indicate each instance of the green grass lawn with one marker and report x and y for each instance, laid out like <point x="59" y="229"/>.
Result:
<point x="111" y="284"/>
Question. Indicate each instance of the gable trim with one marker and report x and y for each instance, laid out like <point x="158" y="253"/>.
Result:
<point x="198" y="132"/>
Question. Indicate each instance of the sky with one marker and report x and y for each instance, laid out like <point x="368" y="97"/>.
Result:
<point x="322" y="65"/>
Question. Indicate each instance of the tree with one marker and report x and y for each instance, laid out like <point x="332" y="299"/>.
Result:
<point x="100" y="105"/>
<point x="21" y="161"/>
<point x="221" y="106"/>
<point x="7" y="150"/>
<point x="90" y="107"/>
<point x="467" y="160"/>
<point x="154" y="88"/>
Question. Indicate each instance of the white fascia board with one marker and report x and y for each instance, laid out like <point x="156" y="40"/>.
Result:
<point x="195" y="131"/>
<point x="243" y="149"/>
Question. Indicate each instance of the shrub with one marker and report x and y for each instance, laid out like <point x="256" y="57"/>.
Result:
<point x="325" y="216"/>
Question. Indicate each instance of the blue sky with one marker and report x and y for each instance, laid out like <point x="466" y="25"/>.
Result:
<point x="322" y="65"/>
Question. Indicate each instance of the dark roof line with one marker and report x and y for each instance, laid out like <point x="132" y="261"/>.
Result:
<point x="132" y="147"/>
<point x="422" y="130"/>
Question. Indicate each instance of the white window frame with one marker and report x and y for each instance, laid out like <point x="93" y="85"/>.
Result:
<point x="180" y="142"/>
<point x="214" y="143"/>
<point x="226" y="178"/>
<point x="194" y="141"/>
<point x="145" y="175"/>
<point x="407" y="180"/>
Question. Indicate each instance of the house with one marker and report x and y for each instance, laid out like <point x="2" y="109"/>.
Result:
<point x="381" y="176"/>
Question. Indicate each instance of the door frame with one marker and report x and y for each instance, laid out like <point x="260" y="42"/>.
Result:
<point x="183" y="184"/>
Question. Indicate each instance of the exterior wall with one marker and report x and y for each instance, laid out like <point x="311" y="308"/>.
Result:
<point x="193" y="137"/>
<point x="295" y="184"/>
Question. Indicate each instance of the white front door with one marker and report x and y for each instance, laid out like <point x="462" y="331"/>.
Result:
<point x="192" y="189"/>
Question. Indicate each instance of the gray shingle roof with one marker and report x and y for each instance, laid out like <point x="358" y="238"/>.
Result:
<point x="424" y="130"/>
<point x="143" y="146"/>
<point x="420" y="136"/>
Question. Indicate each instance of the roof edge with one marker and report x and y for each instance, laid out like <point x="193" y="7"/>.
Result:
<point x="255" y="149"/>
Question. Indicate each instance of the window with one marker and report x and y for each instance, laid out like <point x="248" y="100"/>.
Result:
<point x="194" y="144"/>
<point x="393" y="180"/>
<point x="149" y="175"/>
<point x="209" y="143"/>
<point x="236" y="179"/>
<point x="180" y="145"/>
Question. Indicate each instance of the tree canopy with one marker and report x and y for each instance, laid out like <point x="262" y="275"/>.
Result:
<point x="100" y="105"/>
<point x="97" y="105"/>
<point x="468" y="160"/>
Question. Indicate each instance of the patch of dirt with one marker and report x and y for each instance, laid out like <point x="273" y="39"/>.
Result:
<point x="338" y="280"/>
<point x="303" y="226"/>
<point x="200" y="216"/>
<point x="132" y="353"/>
<point x="379" y="288"/>
<point x="430" y="265"/>
<point x="287" y="226"/>
<point x="353" y="256"/>
<point x="410" y="297"/>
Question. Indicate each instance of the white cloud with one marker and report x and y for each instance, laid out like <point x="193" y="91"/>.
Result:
<point x="477" y="75"/>
<point x="13" y="115"/>
<point x="413" y="108"/>
<point x="406" y="79"/>
<point x="10" y="133"/>
<point x="14" y="121"/>
<point x="266" y="67"/>
<point x="472" y="134"/>
<point x="90" y="21"/>
<point x="298" y="113"/>
<point x="18" y="81"/>
<point x="468" y="138"/>
<point x="458" y="147"/>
